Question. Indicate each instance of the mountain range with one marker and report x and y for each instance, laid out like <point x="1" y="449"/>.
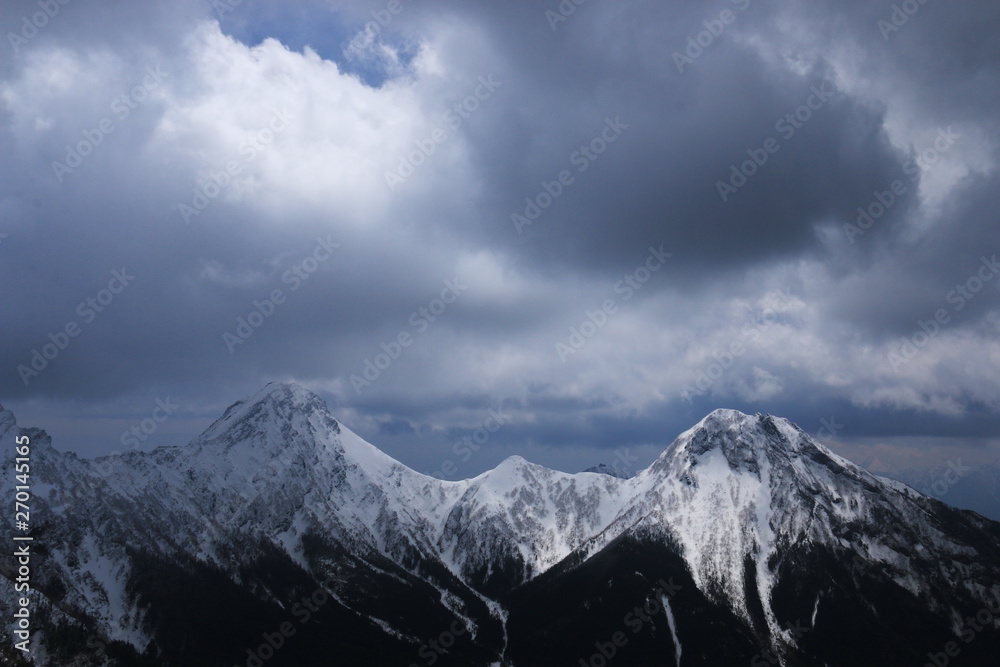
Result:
<point x="279" y="537"/>
<point x="974" y="487"/>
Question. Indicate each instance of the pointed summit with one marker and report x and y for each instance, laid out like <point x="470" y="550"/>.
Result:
<point x="277" y="403"/>
<point x="748" y="443"/>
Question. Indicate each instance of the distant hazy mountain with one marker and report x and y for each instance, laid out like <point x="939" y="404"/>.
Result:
<point x="278" y="537"/>
<point x="961" y="485"/>
<point x="605" y="469"/>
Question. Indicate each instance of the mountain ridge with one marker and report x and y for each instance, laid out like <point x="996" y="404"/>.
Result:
<point x="738" y="501"/>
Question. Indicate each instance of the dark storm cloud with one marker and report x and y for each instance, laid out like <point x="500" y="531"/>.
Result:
<point x="361" y="100"/>
<point x="686" y="131"/>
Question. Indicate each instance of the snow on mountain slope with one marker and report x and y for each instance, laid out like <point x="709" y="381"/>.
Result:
<point x="737" y="488"/>
<point x="533" y="514"/>
<point x="87" y="570"/>
<point x="277" y="467"/>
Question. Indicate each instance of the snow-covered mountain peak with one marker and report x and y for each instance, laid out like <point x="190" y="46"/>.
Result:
<point x="514" y="464"/>
<point x="7" y="421"/>
<point x="740" y="438"/>
<point x="748" y="443"/>
<point x="277" y="399"/>
<point x="9" y="430"/>
<point x="279" y="405"/>
<point x="512" y="474"/>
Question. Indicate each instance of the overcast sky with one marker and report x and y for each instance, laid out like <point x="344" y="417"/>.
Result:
<point x="599" y="221"/>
